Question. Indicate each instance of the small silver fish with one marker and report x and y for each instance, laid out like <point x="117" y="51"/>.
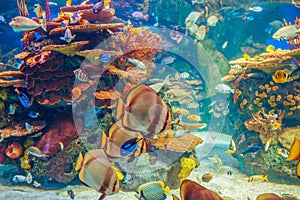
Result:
<point x="29" y="178"/>
<point x="36" y="152"/>
<point x="137" y="63"/>
<point x="68" y="37"/>
<point x="19" y="179"/>
<point x="36" y="184"/>
<point x="225" y="89"/>
<point x="20" y="24"/>
<point x="29" y="127"/>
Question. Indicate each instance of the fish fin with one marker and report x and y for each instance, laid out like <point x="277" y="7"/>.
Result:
<point x="175" y="197"/>
<point x="103" y="140"/>
<point x="294" y="150"/>
<point x="79" y="162"/>
<point x="167" y="190"/>
<point x="62" y="38"/>
<point x="229" y="151"/>
<point x="266" y="178"/>
<point x="120" y="109"/>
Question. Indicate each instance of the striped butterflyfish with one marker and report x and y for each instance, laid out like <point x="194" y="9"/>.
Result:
<point x="144" y="111"/>
<point x="97" y="172"/>
<point x="122" y="142"/>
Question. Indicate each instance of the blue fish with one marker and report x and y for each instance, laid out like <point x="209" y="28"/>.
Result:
<point x="250" y="18"/>
<point x="23" y="98"/>
<point x="105" y="57"/>
<point x="250" y="150"/>
<point x="33" y="114"/>
<point x="129" y="146"/>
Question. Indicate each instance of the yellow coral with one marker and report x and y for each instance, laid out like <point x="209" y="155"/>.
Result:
<point x="25" y="162"/>
<point x="187" y="165"/>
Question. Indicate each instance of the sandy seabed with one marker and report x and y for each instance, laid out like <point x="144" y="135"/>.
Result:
<point x="235" y="185"/>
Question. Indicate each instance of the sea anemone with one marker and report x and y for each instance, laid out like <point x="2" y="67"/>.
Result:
<point x="14" y="150"/>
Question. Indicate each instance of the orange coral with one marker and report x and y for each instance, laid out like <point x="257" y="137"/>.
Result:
<point x="67" y="49"/>
<point x="110" y="94"/>
<point x="14" y="150"/>
<point x="88" y="28"/>
<point x="22" y="55"/>
<point x="76" y="8"/>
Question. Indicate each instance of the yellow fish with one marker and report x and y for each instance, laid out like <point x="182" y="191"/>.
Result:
<point x="153" y="190"/>
<point x="295" y="154"/>
<point x="258" y="177"/>
<point x="280" y="76"/>
<point x="232" y="147"/>
<point x="97" y="172"/>
<point x="246" y="56"/>
<point x="270" y="49"/>
<point x="68" y="2"/>
<point x="194" y="118"/>
<point x="38" y="10"/>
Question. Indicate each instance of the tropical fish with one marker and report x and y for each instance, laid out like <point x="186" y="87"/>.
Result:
<point x="194" y="117"/>
<point x="256" y="9"/>
<point x="98" y="7"/>
<point x="104" y="57"/>
<point x="197" y="1"/>
<point x="286" y="32"/>
<point x="249" y="150"/>
<point x="97" y="172"/>
<point x="71" y="194"/>
<point x="68" y="37"/>
<point x="29" y="127"/>
<point x="268" y="196"/>
<point x="36" y="152"/>
<point x="61" y="146"/>
<point x="2" y="19"/>
<point x="206" y="177"/>
<point x="158" y="86"/>
<point x="267" y="145"/>
<point x="143" y="111"/>
<point x="12" y="109"/>
<point x="36" y="184"/>
<point x="20" y="24"/>
<point x="283" y="152"/>
<point x="81" y="76"/>
<point x="224" y="45"/>
<point x="273" y="26"/>
<point x="190" y="190"/>
<point x="225" y="89"/>
<point x="68" y="2"/>
<point x="75" y="17"/>
<point x="33" y="114"/>
<point x="212" y="20"/>
<point x="280" y="76"/>
<point x="29" y="178"/>
<point x="121" y="142"/>
<point x="156" y="21"/>
<point x="153" y="191"/>
<point x="270" y="49"/>
<point x="232" y="147"/>
<point x="246" y="56"/>
<point x="295" y="154"/>
<point x="139" y="15"/>
<point x="258" y="177"/>
<point x="168" y="60"/>
<point x="19" y="179"/>
<point x="137" y="63"/>
<point x="38" y="10"/>
<point x="23" y="98"/>
<point x="52" y="3"/>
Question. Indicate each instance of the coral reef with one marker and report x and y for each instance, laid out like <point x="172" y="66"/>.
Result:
<point x="14" y="150"/>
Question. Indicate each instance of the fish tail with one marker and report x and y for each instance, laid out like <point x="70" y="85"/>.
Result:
<point x="167" y="190"/>
<point x="120" y="108"/>
<point x="79" y="162"/>
<point x="266" y="178"/>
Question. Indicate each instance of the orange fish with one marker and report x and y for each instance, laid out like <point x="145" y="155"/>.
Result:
<point x="97" y="172"/>
<point x="295" y="154"/>
<point x="190" y="190"/>
<point x="121" y="142"/>
<point x="144" y="111"/>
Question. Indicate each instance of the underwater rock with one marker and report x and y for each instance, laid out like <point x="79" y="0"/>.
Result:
<point x="61" y="167"/>
<point x="62" y="130"/>
<point x="166" y="168"/>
